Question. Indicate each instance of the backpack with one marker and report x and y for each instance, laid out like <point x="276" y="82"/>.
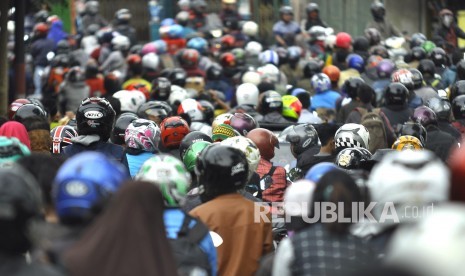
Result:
<point x="187" y="252"/>
<point x="373" y="121"/>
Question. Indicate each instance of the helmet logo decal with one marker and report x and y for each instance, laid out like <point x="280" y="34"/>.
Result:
<point x="237" y="169"/>
<point x="76" y="189"/>
<point x="344" y="160"/>
<point x="307" y="142"/>
<point x="93" y="114"/>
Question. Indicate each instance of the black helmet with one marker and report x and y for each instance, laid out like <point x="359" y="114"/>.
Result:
<point x="61" y="60"/>
<point x="311" y="7"/>
<point x="311" y="68"/>
<point x="414" y="129"/>
<point x="417" y="78"/>
<point x="441" y="107"/>
<point x="373" y="36"/>
<point x="427" y="68"/>
<point x="438" y="56"/>
<point x="379" y="50"/>
<point x="161" y="89"/>
<point x="417" y="39"/>
<point x="458" y="107"/>
<point x="286" y="10"/>
<point x="208" y="111"/>
<point x="395" y="94"/>
<point x="214" y="72"/>
<point x="457" y="89"/>
<point x="191" y="138"/>
<point x="20" y="198"/>
<point x="377" y="10"/>
<point x="418" y="53"/>
<point x="221" y="170"/>
<point x="158" y="109"/>
<point x="461" y="70"/>
<point x="61" y="138"/>
<point x="178" y="76"/>
<point x="271" y="101"/>
<point x="121" y="123"/>
<point x="302" y="137"/>
<point x="95" y="116"/>
<point x="425" y="116"/>
<point x="353" y="158"/>
<point x="63" y="47"/>
<point x="75" y="74"/>
<point x="351" y="85"/>
<point x="27" y="111"/>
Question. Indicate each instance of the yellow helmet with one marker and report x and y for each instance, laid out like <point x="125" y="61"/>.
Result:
<point x="407" y="142"/>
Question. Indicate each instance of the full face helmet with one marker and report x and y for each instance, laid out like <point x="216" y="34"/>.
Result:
<point x="292" y="107"/>
<point x="95" y="116"/>
<point x="242" y="123"/>
<point x="353" y="158"/>
<point x="173" y="130"/>
<point x="61" y="138"/>
<point x="142" y="134"/>
<point x="302" y="137"/>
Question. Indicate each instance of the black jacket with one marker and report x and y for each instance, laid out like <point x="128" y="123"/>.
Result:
<point x="439" y="142"/>
<point x="309" y="158"/>
<point x="397" y="115"/>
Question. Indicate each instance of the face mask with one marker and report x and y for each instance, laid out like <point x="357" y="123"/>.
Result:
<point x="447" y="20"/>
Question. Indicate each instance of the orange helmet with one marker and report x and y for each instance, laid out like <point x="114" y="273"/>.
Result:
<point x="227" y="42"/>
<point x="228" y="60"/>
<point x="407" y="142"/>
<point x="41" y="28"/>
<point x="332" y="72"/>
<point x="173" y="129"/>
<point x="134" y="59"/>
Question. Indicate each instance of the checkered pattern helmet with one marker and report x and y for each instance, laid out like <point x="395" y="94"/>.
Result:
<point x="351" y="136"/>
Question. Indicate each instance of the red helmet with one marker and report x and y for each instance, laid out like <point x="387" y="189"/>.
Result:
<point x="41" y="28"/>
<point x="190" y="58"/>
<point x="332" y="72"/>
<point x="173" y="130"/>
<point x="343" y="40"/>
<point x="403" y="76"/>
<point x="227" y="42"/>
<point x="15" y="105"/>
<point x="134" y="59"/>
<point x="228" y="60"/>
<point x="139" y="87"/>
<point x="265" y="140"/>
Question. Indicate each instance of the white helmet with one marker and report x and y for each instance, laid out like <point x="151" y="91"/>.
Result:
<point x="269" y="72"/>
<point x="222" y="119"/>
<point x="177" y="95"/>
<point x="120" y="42"/>
<point x="330" y="41"/>
<point x="151" y="61"/>
<point x="130" y="100"/>
<point x="317" y="33"/>
<point x="247" y="93"/>
<point x="248" y="147"/>
<point x="298" y="196"/>
<point x="182" y="16"/>
<point x="253" y="48"/>
<point x="251" y="77"/>
<point x="413" y="178"/>
<point x="269" y="57"/>
<point x="250" y="28"/>
<point x="192" y="108"/>
<point x="434" y="245"/>
<point x="352" y="136"/>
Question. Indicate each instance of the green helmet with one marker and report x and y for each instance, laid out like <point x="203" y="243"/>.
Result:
<point x="11" y="149"/>
<point x="170" y="175"/>
<point x="428" y="46"/>
<point x="190" y="157"/>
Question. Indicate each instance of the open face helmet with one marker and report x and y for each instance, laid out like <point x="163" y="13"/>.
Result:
<point x="351" y="136"/>
<point x="415" y="130"/>
<point x="353" y="158"/>
<point x="61" y="138"/>
<point x="248" y="147"/>
<point x="407" y="142"/>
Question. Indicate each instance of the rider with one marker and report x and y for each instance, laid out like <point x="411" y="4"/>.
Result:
<point x="385" y="28"/>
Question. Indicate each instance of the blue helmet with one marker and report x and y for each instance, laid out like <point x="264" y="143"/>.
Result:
<point x="160" y="46"/>
<point x="320" y="82"/>
<point x="199" y="44"/>
<point x="356" y="62"/>
<point x="167" y="22"/>
<point x="83" y="182"/>
<point x="175" y="31"/>
<point x="319" y="170"/>
<point x="269" y="56"/>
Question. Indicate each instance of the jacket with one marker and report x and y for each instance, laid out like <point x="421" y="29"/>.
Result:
<point x="134" y="161"/>
<point x="397" y="115"/>
<point x="112" y="151"/>
<point x="275" y="193"/>
<point x="439" y="142"/>
<point x="245" y="239"/>
<point x="39" y="50"/>
<point x="385" y="28"/>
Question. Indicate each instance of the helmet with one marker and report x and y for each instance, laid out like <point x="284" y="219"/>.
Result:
<point x="41" y="28"/>
<point x="312" y="7"/>
<point x="29" y="110"/>
<point x="123" y="15"/>
<point x="270" y="101"/>
<point x="227" y="42"/>
<point x="427" y="68"/>
<point x="415" y="178"/>
<point x="11" y="150"/>
<point x="425" y="116"/>
<point x="191" y="138"/>
<point x="438" y="56"/>
<point x="441" y="107"/>
<point x="221" y="132"/>
<point x="269" y="56"/>
<point x="373" y="36"/>
<point x="286" y="10"/>
<point x="151" y="61"/>
<point x="173" y="130"/>
<point x="92" y="7"/>
<point x="302" y="137"/>
<point x="361" y="44"/>
<point x="294" y="53"/>
<point x="460" y="70"/>
<point x="332" y="72"/>
<point x="415" y="130"/>
<point x="170" y="175"/>
<point x="161" y="88"/>
<point x="351" y="136"/>
<point x="190" y="156"/>
<point x="418" y="53"/>
<point x="428" y="46"/>
<point x="208" y="111"/>
<point x="343" y="40"/>
<point x="63" y="47"/>
<point x="403" y="76"/>
<point x="417" y="78"/>
<point x="458" y="107"/>
<point x="291" y="107"/>
<point x="227" y="176"/>
<point x="142" y="134"/>
<point x="385" y="68"/>
<point x="320" y="83"/>
<point x="167" y="22"/>
<point x="283" y="54"/>
<point x="136" y="49"/>
<point x="417" y="40"/>
<point x="377" y="10"/>
<point x="251" y="77"/>
<point x="177" y="95"/>
<point x="250" y="28"/>
<point x="195" y="85"/>
<point x="265" y="140"/>
<point x="352" y="158"/>
<point x="130" y="100"/>
<point x="457" y="89"/>
<point x="240" y="55"/>
<point x="182" y="17"/>
<point x="269" y="73"/>
<point x="214" y="72"/>
<point x="222" y="119"/>
<point x="95" y="116"/>
<point x="175" y="31"/>
<point x="253" y="48"/>
<point x="192" y="108"/>
<point x="330" y="41"/>
<point x="78" y="189"/>
<point x="75" y="75"/>
<point x="61" y="138"/>
<point x="121" y="123"/>
<point x="395" y="94"/>
<point x="317" y="33"/>
<point x="121" y="43"/>
<point x="247" y="93"/>
<point x="199" y="44"/>
<point x="356" y="62"/>
<point x="157" y="109"/>
<point x="15" y="105"/>
<point x="190" y="58"/>
<point x="249" y="148"/>
<point x="228" y="60"/>
<point x="351" y="85"/>
<point x="407" y="142"/>
<point x="242" y="123"/>
<point x="319" y="170"/>
<point x="160" y="46"/>
<point x="379" y="50"/>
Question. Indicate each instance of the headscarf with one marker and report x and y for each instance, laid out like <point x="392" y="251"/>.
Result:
<point x="17" y="130"/>
<point x="128" y="239"/>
